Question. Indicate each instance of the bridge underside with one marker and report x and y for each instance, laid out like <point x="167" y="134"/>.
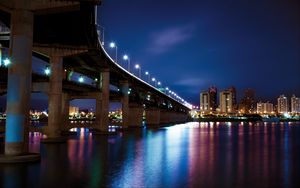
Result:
<point x="64" y="34"/>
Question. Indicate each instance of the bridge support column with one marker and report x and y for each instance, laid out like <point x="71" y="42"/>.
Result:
<point x="55" y="100"/>
<point x="125" y="104"/>
<point x="165" y="117"/>
<point x="102" y="106"/>
<point x="152" y="116"/>
<point x="65" y="110"/>
<point x="135" y="118"/>
<point x="19" y="89"/>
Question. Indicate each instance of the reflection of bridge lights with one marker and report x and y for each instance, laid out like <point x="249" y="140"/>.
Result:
<point x="80" y="79"/>
<point x="47" y="71"/>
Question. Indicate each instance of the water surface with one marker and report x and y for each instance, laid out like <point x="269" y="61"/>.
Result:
<point x="185" y="155"/>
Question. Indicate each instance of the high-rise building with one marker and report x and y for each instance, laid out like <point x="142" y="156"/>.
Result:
<point x="295" y="104"/>
<point x="282" y="104"/>
<point x="233" y="92"/>
<point x="247" y="102"/>
<point x="204" y="101"/>
<point x="213" y="98"/>
<point x="264" y="108"/>
<point x="226" y="101"/>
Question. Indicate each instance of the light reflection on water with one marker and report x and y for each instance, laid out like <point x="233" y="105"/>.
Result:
<point x="194" y="154"/>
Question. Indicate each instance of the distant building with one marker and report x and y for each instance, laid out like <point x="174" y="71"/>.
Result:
<point x="282" y="104"/>
<point x="213" y="98"/>
<point x="248" y="101"/>
<point x="295" y="104"/>
<point x="204" y="101"/>
<point x="234" y="102"/>
<point x="73" y="110"/>
<point x="226" y="101"/>
<point x="208" y="100"/>
<point x="264" y="108"/>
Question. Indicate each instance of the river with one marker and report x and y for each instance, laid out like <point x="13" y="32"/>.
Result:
<point x="229" y="154"/>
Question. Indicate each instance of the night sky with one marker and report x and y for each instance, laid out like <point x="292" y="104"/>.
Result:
<point x="190" y="45"/>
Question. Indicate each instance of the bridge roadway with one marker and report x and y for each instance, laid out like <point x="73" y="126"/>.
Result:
<point x="64" y="33"/>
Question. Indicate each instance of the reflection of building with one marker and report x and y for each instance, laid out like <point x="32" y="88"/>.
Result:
<point x="264" y="108"/>
<point x="282" y="104"/>
<point x="213" y="98"/>
<point x="73" y="110"/>
<point x="247" y="102"/>
<point x="204" y="101"/>
<point x="226" y="101"/>
<point x="295" y="104"/>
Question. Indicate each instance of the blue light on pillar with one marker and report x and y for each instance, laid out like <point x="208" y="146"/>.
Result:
<point x="6" y="62"/>
<point x="47" y="71"/>
<point x="81" y="79"/>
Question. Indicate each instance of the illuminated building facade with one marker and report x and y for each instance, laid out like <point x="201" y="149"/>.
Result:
<point x="226" y="101"/>
<point x="295" y="104"/>
<point x="282" y="104"/>
<point x="204" y="101"/>
<point x="264" y="108"/>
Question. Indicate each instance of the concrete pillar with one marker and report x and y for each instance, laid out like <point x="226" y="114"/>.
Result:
<point x="152" y="116"/>
<point x="102" y="106"/>
<point x="135" y="118"/>
<point x="55" y="97"/>
<point x="65" y="110"/>
<point x="19" y="83"/>
<point x="125" y="103"/>
<point x="163" y="117"/>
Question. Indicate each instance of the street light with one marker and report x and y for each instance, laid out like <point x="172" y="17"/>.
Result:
<point x="113" y="45"/>
<point x="159" y="83"/>
<point x="126" y="58"/>
<point x="148" y="74"/>
<point x="102" y="34"/>
<point x="137" y="66"/>
<point x="154" y="80"/>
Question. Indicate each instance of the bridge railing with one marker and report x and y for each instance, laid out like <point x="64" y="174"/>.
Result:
<point x="100" y="32"/>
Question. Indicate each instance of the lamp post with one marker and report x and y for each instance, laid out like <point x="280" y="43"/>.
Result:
<point x="126" y="58"/>
<point x="137" y="66"/>
<point x="113" y="45"/>
<point x="102" y="34"/>
<point x="154" y="80"/>
<point x="158" y="83"/>
<point x="148" y="74"/>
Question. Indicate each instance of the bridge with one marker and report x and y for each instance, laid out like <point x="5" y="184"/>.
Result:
<point x="64" y="33"/>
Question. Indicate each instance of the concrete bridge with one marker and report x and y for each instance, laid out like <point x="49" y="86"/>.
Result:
<point x="64" y="33"/>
